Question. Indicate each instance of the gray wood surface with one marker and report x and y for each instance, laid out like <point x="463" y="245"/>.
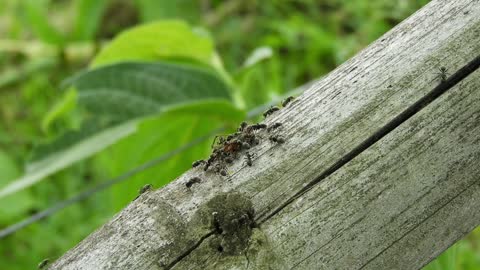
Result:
<point x="396" y="205"/>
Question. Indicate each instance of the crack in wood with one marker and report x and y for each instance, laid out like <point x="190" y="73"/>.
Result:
<point x="439" y="90"/>
<point x="187" y="252"/>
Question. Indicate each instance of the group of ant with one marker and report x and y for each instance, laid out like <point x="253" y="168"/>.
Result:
<point x="226" y="148"/>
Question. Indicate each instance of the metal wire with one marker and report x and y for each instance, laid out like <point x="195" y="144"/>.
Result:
<point x="103" y="185"/>
<point x="149" y="164"/>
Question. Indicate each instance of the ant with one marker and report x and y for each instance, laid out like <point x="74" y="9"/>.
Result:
<point x="255" y="127"/>
<point x="220" y="169"/>
<point x="220" y="141"/>
<point x="276" y="139"/>
<point x="216" y="223"/>
<point x="43" y="264"/>
<point x="274" y="126"/>
<point x="246" y="145"/>
<point x="442" y="74"/>
<point x="198" y="163"/>
<point x="286" y="101"/>
<point x="228" y="159"/>
<point x="192" y="181"/>
<point x="248" y="159"/>
<point x="270" y="111"/>
<point x="146" y="188"/>
<point x="232" y="147"/>
<point x="242" y="126"/>
<point x="209" y="161"/>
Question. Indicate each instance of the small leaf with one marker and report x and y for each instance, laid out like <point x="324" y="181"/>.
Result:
<point x="157" y="41"/>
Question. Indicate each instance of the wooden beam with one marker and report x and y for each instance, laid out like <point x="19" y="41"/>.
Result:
<point x="352" y="186"/>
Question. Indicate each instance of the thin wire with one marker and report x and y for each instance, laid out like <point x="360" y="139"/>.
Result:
<point x="87" y="193"/>
<point x="149" y="164"/>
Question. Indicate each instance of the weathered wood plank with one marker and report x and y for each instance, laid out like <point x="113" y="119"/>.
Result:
<point x="398" y="204"/>
<point x="395" y="206"/>
<point x="160" y="229"/>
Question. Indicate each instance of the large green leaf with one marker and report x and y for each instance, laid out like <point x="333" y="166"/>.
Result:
<point x="158" y="41"/>
<point x="130" y="92"/>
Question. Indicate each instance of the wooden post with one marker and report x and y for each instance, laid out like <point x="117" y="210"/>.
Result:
<point x="379" y="170"/>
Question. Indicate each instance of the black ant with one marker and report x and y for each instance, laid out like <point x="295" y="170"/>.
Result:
<point x="198" y="163"/>
<point x="43" y="263"/>
<point x="442" y="74"/>
<point x="209" y="161"/>
<point x="255" y="127"/>
<point x="246" y="145"/>
<point x="216" y="223"/>
<point x="192" y="181"/>
<point x="220" y="141"/>
<point x="276" y="139"/>
<point x="228" y="159"/>
<point x="146" y="188"/>
<point x="287" y="100"/>
<point x="242" y="126"/>
<point x="270" y="111"/>
<point x="220" y="169"/>
<point x="233" y="146"/>
<point x="274" y="126"/>
<point x="248" y="159"/>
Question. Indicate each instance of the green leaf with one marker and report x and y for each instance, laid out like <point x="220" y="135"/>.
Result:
<point x="64" y="106"/>
<point x="218" y="109"/>
<point x="129" y="90"/>
<point x="63" y="158"/>
<point x="36" y="15"/>
<point x="166" y="9"/>
<point x="89" y="13"/>
<point x="158" y="41"/>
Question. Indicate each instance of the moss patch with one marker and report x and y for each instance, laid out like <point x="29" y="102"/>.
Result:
<point x="231" y="217"/>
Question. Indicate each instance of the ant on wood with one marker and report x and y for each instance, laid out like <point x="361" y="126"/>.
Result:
<point x="442" y="74"/>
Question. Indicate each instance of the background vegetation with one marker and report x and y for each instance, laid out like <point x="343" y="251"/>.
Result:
<point x="43" y="42"/>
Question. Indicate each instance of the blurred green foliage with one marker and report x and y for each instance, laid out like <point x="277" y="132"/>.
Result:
<point x="42" y="42"/>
